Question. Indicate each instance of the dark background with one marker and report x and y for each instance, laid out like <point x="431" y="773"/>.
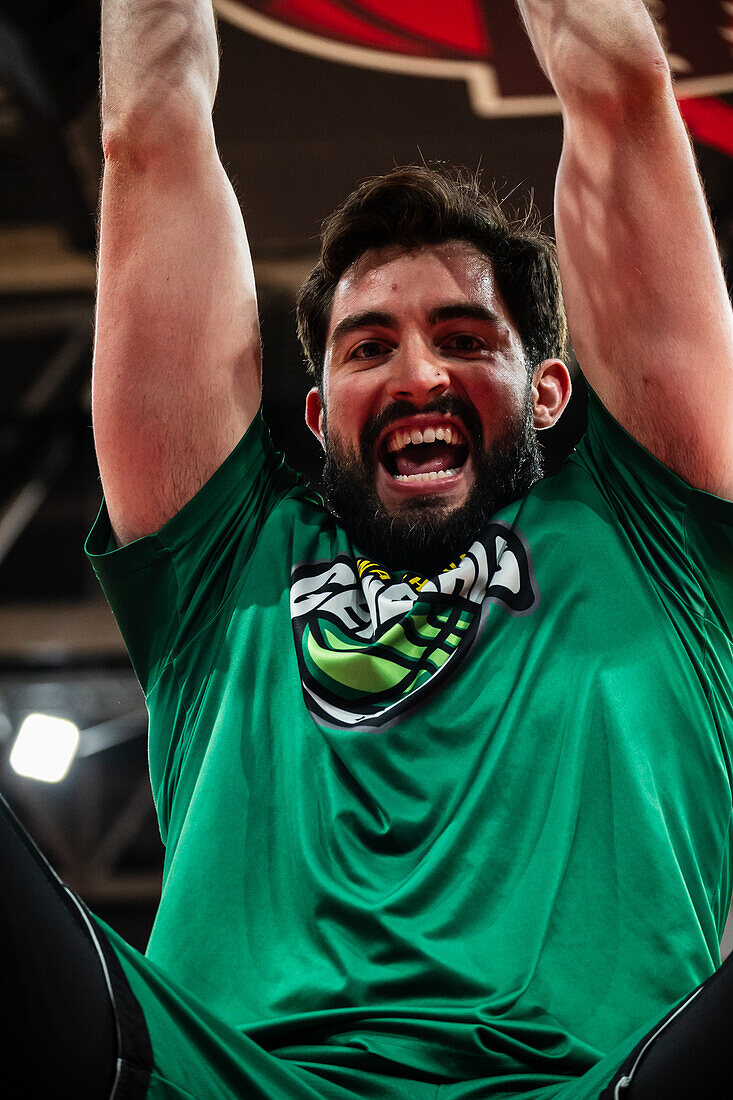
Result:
<point x="296" y="133"/>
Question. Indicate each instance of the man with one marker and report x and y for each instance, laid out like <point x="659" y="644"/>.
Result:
<point x="443" y="769"/>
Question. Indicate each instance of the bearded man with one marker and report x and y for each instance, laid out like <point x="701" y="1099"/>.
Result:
<point x="443" y="765"/>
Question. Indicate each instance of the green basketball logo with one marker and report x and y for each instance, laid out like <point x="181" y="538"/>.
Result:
<point x="372" y="644"/>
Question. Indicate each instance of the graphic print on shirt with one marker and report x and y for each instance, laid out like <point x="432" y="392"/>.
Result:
<point x="371" y="644"/>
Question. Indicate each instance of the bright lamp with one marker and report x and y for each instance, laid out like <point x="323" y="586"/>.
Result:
<point x="44" y="747"/>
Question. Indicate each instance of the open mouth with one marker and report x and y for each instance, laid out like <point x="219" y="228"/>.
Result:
<point x="419" y="455"/>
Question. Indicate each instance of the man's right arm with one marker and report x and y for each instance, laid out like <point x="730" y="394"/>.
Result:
<point x="177" y="351"/>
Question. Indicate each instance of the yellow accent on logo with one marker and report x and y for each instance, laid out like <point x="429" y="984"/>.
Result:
<point x="363" y="566"/>
<point x="416" y="582"/>
<point x="453" y="564"/>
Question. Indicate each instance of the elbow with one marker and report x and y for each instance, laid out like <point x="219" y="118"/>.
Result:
<point x="631" y="82"/>
<point x="133" y="141"/>
<point x="646" y="76"/>
<point x="172" y="91"/>
<point x="138" y="138"/>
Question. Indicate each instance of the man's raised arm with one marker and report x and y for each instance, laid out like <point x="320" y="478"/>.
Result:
<point x="646" y="299"/>
<point x="177" y="352"/>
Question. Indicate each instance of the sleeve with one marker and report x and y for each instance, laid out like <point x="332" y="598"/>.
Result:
<point x="683" y="536"/>
<point x="165" y="587"/>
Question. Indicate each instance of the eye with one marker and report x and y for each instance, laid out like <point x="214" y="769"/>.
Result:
<point x="464" y="343"/>
<point x="369" y="349"/>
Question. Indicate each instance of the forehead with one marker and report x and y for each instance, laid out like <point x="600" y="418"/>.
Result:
<point x="401" y="281"/>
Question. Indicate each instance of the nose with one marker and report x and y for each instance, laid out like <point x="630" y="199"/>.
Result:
<point x="418" y="375"/>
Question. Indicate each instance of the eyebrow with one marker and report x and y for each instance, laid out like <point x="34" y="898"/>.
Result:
<point x="452" y="311"/>
<point x="471" y="311"/>
<point x="368" y="318"/>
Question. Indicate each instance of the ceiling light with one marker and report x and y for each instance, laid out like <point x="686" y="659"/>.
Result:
<point x="44" y="747"/>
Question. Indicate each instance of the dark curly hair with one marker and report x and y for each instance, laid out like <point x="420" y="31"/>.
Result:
<point x="418" y="205"/>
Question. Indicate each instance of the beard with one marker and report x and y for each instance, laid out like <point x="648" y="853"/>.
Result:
<point x="425" y="533"/>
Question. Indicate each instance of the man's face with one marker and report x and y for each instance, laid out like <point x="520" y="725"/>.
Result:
<point x="427" y="417"/>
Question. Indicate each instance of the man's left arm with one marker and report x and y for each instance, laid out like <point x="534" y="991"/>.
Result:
<point x="647" y="304"/>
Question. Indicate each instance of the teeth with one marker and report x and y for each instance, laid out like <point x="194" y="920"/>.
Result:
<point x="402" y="438"/>
<point x="434" y="475"/>
<point x="398" y="440"/>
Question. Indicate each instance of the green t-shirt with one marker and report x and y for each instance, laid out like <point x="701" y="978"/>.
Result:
<point x="469" y="828"/>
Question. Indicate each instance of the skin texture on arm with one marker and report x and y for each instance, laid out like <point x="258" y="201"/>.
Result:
<point x="177" y="353"/>
<point x="644" y="290"/>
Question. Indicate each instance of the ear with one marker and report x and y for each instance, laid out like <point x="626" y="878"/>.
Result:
<point x="551" y="389"/>
<point x="314" y="414"/>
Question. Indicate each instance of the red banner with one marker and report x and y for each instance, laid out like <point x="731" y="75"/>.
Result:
<point x="484" y="43"/>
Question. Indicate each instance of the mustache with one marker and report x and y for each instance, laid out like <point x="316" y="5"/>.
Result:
<point x="445" y="405"/>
